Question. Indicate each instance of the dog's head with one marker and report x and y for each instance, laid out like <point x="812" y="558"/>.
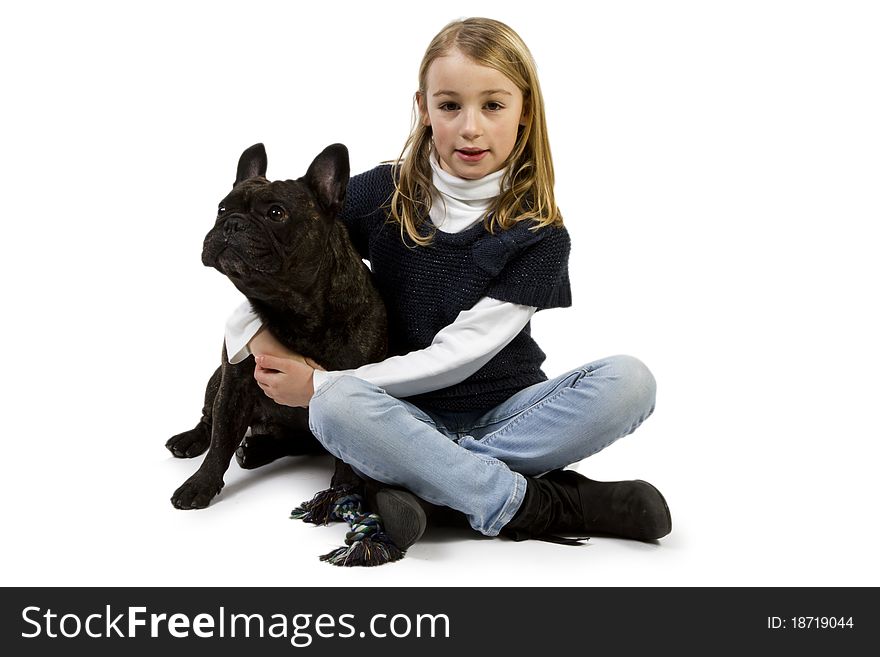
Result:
<point x="270" y="237"/>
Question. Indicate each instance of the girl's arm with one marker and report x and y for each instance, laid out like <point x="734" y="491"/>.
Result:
<point x="456" y="352"/>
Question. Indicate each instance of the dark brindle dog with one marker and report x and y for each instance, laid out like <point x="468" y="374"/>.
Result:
<point x="281" y="244"/>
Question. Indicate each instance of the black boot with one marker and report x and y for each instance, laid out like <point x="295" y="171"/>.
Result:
<point x="565" y="502"/>
<point x="404" y="516"/>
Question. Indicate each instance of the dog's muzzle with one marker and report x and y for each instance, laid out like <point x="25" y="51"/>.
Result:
<point x="244" y="245"/>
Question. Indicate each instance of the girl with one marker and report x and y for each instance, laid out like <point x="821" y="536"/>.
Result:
<point x="466" y="244"/>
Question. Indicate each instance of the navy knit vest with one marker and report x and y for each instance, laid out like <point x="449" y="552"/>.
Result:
<point x="426" y="287"/>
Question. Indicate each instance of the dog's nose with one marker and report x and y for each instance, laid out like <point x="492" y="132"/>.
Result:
<point x="233" y="224"/>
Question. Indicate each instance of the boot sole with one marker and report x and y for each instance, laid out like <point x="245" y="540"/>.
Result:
<point x="403" y="518"/>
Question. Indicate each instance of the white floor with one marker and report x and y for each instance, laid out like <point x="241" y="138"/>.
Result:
<point x="246" y="538"/>
<point x="85" y="521"/>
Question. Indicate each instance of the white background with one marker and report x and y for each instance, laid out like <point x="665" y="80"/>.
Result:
<point x="718" y="171"/>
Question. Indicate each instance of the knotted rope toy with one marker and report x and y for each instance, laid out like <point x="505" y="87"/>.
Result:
<point x="366" y="544"/>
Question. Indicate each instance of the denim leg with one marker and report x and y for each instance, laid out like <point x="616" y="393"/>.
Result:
<point x="394" y="442"/>
<point x="561" y="421"/>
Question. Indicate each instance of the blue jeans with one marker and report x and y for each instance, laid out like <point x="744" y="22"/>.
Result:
<point x="475" y="462"/>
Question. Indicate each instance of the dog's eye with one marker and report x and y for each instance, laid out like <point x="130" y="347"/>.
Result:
<point x="221" y="210"/>
<point x="277" y="213"/>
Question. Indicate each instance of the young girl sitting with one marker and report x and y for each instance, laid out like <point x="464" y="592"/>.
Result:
<point x="466" y="243"/>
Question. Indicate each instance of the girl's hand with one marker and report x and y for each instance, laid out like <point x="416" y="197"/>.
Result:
<point x="285" y="376"/>
<point x="287" y="381"/>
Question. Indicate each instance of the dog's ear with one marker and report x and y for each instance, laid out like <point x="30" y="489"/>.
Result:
<point x="327" y="177"/>
<point x="251" y="164"/>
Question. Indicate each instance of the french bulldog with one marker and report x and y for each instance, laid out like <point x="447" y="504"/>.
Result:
<point x="282" y="245"/>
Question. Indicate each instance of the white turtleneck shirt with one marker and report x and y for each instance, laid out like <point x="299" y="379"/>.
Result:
<point x="457" y="351"/>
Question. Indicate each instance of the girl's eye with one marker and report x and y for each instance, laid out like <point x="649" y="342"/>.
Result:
<point x="449" y="107"/>
<point x="277" y="213"/>
<point x="494" y="107"/>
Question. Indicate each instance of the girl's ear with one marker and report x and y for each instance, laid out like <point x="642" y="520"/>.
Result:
<point x="423" y="109"/>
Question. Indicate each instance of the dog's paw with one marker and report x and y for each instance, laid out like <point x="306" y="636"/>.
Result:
<point x="190" y="443"/>
<point x="196" y="492"/>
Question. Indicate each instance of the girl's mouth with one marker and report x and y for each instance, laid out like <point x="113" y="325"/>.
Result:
<point x="471" y="155"/>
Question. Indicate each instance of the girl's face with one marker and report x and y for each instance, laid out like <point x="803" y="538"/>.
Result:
<point x="474" y="112"/>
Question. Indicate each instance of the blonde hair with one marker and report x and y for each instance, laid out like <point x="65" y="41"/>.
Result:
<point x="527" y="185"/>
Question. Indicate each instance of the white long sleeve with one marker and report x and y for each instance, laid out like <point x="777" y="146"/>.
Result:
<point x="456" y="352"/>
<point x="241" y="326"/>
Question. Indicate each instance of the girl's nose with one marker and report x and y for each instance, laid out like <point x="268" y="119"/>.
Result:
<point x="470" y="127"/>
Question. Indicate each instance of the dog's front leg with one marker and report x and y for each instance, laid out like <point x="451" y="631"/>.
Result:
<point x="233" y="407"/>
<point x="195" y="441"/>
